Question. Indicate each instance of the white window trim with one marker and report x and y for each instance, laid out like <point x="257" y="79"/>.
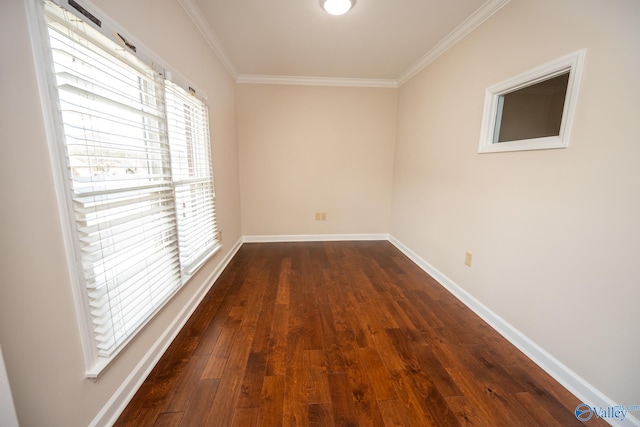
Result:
<point x="94" y="364"/>
<point x="573" y="63"/>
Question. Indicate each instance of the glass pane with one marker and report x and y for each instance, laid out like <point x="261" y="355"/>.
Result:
<point x="532" y="112"/>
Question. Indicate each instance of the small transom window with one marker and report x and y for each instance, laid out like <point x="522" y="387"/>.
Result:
<point x="532" y="111"/>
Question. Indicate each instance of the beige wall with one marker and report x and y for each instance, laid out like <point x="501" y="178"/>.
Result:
<point x="38" y="328"/>
<point x="554" y="234"/>
<point x="308" y="149"/>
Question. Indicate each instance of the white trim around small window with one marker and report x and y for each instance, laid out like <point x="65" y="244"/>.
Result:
<point x="565" y="74"/>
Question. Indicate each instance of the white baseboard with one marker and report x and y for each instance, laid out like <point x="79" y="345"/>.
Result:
<point x="314" y="238"/>
<point x="116" y="404"/>
<point x="577" y="385"/>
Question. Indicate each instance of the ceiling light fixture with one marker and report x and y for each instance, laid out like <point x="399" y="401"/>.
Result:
<point x="337" y="7"/>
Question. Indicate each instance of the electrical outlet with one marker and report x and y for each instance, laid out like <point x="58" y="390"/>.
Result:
<point x="321" y="216"/>
<point x="468" y="258"/>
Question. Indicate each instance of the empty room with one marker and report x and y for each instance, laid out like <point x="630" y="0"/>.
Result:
<point x="312" y="212"/>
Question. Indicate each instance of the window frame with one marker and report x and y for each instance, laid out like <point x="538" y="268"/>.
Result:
<point x="491" y="116"/>
<point x="38" y="30"/>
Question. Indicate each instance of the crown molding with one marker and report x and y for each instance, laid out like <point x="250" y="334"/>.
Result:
<point x="194" y="12"/>
<point x="316" y="81"/>
<point x="485" y="12"/>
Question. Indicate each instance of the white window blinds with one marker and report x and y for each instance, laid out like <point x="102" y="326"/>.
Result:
<point x="192" y="175"/>
<point x="140" y="180"/>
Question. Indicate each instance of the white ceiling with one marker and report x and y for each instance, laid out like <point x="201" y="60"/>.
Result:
<point x="377" y="43"/>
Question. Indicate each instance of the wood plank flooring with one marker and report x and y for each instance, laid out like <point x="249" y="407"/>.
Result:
<point x="341" y="334"/>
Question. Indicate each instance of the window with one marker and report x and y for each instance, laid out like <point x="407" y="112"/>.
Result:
<point x="135" y="155"/>
<point x="532" y="111"/>
<point x="192" y="176"/>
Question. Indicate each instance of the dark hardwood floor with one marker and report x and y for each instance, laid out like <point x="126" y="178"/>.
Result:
<point x="344" y="334"/>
